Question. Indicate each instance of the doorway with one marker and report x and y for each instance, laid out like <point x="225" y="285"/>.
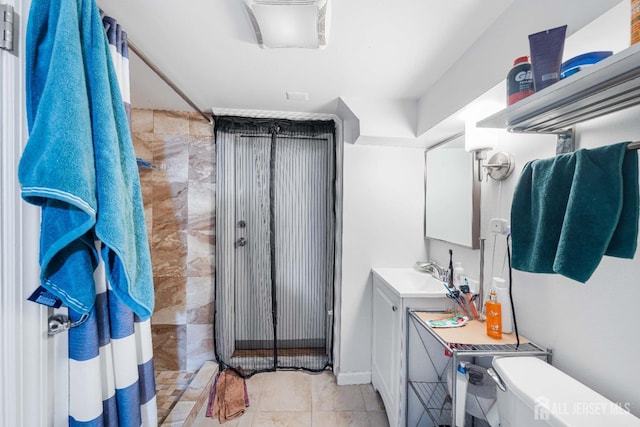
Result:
<point x="275" y="231"/>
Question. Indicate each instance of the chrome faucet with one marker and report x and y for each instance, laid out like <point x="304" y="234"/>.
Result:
<point x="437" y="271"/>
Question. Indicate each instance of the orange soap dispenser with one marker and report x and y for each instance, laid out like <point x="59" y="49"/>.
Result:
<point x="494" y="315"/>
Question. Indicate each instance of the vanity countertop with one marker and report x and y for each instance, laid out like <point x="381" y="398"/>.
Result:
<point x="407" y="282"/>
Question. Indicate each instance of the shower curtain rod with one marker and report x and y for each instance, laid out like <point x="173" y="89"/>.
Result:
<point x="633" y="145"/>
<point x="167" y="80"/>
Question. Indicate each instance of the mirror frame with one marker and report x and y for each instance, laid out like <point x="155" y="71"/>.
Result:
<point x="475" y="195"/>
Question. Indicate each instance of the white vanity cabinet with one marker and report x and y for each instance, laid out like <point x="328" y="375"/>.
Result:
<point x="394" y="291"/>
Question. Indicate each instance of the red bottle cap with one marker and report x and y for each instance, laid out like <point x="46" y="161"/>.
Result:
<point x="520" y="60"/>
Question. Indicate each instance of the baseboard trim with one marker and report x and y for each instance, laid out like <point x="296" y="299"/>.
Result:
<point x="352" y="378"/>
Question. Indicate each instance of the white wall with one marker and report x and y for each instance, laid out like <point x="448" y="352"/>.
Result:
<point x="385" y="118"/>
<point x="383" y="227"/>
<point x="488" y="61"/>
<point x="590" y="327"/>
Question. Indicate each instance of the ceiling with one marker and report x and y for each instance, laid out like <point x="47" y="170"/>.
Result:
<point x="384" y="59"/>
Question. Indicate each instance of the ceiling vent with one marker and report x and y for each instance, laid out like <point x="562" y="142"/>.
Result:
<point x="290" y="23"/>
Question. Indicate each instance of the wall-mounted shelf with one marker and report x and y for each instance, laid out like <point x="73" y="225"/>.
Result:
<point x="608" y="86"/>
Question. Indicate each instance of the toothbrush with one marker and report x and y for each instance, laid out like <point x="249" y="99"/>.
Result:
<point x="450" y="272"/>
<point x="463" y="303"/>
<point x="451" y="294"/>
<point x="455" y="294"/>
<point x="469" y="300"/>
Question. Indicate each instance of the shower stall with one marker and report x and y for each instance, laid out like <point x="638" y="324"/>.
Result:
<point x="275" y="232"/>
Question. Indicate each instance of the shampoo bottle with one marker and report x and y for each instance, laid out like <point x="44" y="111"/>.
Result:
<point x="494" y="316"/>
<point x="502" y="293"/>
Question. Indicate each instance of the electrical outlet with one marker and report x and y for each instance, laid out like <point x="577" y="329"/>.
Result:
<point x="499" y="226"/>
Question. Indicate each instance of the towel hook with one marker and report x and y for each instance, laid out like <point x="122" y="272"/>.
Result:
<point x="61" y="322"/>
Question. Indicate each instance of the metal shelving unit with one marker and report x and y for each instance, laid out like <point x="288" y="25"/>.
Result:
<point x="433" y="394"/>
<point x="434" y="399"/>
<point x="610" y="85"/>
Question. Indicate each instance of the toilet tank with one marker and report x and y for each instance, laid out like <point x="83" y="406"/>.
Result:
<point x="537" y="394"/>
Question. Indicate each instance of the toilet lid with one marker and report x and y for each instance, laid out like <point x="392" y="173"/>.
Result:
<point x="555" y="396"/>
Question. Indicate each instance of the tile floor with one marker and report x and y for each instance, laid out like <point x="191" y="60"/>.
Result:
<point x="292" y="399"/>
<point x="170" y="385"/>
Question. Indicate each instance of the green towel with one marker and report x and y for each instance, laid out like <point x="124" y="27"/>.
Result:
<point x="570" y="210"/>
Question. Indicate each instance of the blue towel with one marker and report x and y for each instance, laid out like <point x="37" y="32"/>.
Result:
<point x="570" y="210"/>
<point x="79" y="165"/>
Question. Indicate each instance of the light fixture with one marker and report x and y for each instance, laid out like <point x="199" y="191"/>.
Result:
<point x="500" y="166"/>
<point x="290" y="23"/>
<point x="479" y="141"/>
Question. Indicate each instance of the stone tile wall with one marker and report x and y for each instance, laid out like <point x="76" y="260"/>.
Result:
<point x="179" y="199"/>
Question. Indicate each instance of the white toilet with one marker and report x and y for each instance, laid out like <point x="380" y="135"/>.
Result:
<point x="537" y="394"/>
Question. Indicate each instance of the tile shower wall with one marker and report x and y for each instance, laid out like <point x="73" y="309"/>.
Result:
<point x="179" y="201"/>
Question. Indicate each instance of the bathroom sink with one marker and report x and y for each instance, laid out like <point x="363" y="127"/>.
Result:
<point x="408" y="282"/>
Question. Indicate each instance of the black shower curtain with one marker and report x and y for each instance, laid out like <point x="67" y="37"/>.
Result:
<point x="275" y="231"/>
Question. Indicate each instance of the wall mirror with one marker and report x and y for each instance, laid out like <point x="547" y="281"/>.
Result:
<point x="452" y="194"/>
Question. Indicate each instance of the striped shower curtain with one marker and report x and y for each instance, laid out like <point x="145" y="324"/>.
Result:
<point x="111" y="374"/>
